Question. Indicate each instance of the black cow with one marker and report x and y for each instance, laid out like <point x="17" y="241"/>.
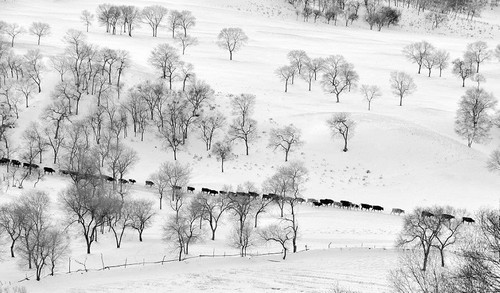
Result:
<point x="447" y="217"/>
<point x="253" y="194"/>
<point x="365" y="206"/>
<point x="267" y="196"/>
<point x="205" y="190"/>
<point x="326" y="202"/>
<point x="346" y="204"/>
<point x="149" y="183"/>
<point x="175" y="187"/>
<point x="317" y="204"/>
<point x="123" y="181"/>
<point x="34" y="166"/>
<point x="222" y="192"/>
<point x="468" y="220"/>
<point x="213" y="192"/>
<point x="4" y="161"/>
<point x="377" y="208"/>
<point x="48" y="170"/>
<point x="427" y="214"/>
<point x="111" y="179"/>
<point x="26" y="165"/>
<point x="397" y="211"/>
<point x="132" y="181"/>
<point x="190" y="189"/>
<point x="15" y="163"/>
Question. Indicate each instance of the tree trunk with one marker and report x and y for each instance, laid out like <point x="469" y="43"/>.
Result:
<point x="222" y="165"/>
<point x="230" y="53"/>
<point x="284" y="253"/>
<point x="140" y="235"/>
<point x="246" y="145"/>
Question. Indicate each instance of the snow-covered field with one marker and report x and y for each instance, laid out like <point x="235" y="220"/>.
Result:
<point x="412" y="153"/>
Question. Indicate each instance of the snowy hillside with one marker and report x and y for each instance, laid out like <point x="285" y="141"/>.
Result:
<point x="401" y="157"/>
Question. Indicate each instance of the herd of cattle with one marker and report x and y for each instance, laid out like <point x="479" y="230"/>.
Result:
<point x="345" y="204"/>
<point x="274" y="197"/>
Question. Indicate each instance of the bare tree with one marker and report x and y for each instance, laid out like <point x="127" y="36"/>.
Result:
<point x="165" y="59"/>
<point x="295" y="175"/>
<point x="85" y="204"/>
<point x="417" y="52"/>
<point x="213" y="208"/>
<point x="338" y="76"/>
<point x="186" y="21"/>
<point x="209" y="124"/>
<point x="370" y="93"/>
<point x="119" y="218"/>
<point x="142" y="215"/>
<point x="242" y="207"/>
<point x="442" y="60"/>
<point x="232" y="39"/>
<point x="494" y="161"/>
<point x="478" y="51"/>
<point x="420" y="230"/>
<point x="13" y="30"/>
<point x="58" y="247"/>
<point x="298" y="58"/>
<point x="174" y="21"/>
<point x="223" y="151"/>
<point x="284" y="138"/>
<point x="57" y="112"/>
<point x="174" y="233"/>
<point x="55" y="143"/>
<point x="342" y="125"/>
<point x="430" y="61"/>
<point x="463" y="69"/>
<point x="12" y="218"/>
<point x="402" y="85"/>
<point x="26" y="87"/>
<point x="474" y="120"/>
<point x="61" y="64"/>
<point x="285" y="73"/>
<point x="279" y="234"/>
<point x="153" y="15"/>
<point x="175" y="175"/>
<point x="34" y="67"/>
<point x="40" y="29"/>
<point x="87" y="18"/>
<point x="185" y="41"/>
<point x="450" y="231"/>
<point x="193" y="231"/>
<point x="104" y="15"/>
<point x="186" y="74"/>
<point x="243" y="127"/>
<point x="131" y="16"/>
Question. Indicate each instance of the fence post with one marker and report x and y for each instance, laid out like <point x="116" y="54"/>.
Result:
<point x="102" y="261"/>
<point x="69" y="265"/>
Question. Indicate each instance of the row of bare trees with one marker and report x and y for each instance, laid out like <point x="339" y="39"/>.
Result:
<point x="39" y="242"/>
<point x="185" y="225"/>
<point x="426" y="55"/>
<point x="126" y="18"/>
<point x="12" y="30"/>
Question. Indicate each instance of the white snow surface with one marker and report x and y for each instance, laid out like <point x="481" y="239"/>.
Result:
<point x="412" y="153"/>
